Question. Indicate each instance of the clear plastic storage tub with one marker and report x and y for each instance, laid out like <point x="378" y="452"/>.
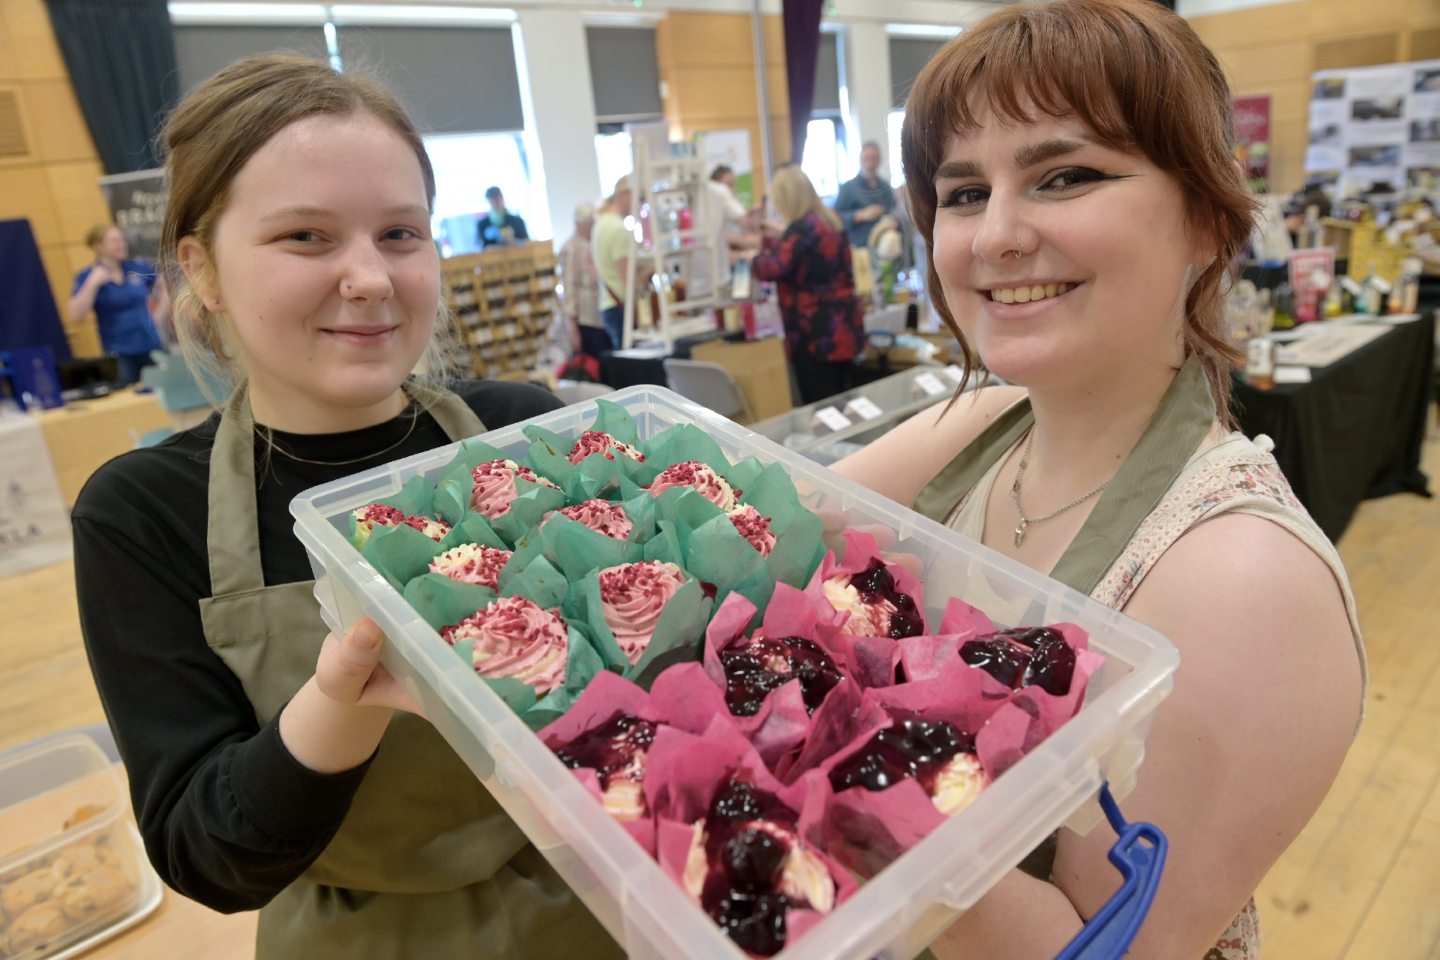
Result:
<point x="70" y="865"/>
<point x="896" y="913"/>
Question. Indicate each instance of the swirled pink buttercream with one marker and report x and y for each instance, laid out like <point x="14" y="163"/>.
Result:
<point x="754" y="528"/>
<point x="373" y="515"/>
<point x="602" y="516"/>
<point x="495" y="486"/>
<point x="694" y="474"/>
<point x="633" y="596"/>
<point x="472" y="563"/>
<point x="593" y="441"/>
<point x="515" y="638"/>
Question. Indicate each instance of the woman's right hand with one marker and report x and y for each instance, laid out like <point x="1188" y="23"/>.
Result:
<point x="335" y="722"/>
<point x="349" y="671"/>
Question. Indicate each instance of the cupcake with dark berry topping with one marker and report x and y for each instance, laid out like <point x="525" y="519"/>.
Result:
<point x="615" y="751"/>
<point x="936" y="755"/>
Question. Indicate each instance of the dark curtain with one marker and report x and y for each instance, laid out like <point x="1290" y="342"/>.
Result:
<point x="121" y="56"/>
<point x="802" y="55"/>
<point x="28" y="317"/>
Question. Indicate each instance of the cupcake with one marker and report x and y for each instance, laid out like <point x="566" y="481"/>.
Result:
<point x="699" y="477"/>
<point x="748" y="868"/>
<point x="1023" y="657"/>
<point x="762" y="665"/>
<point x="602" y="516"/>
<point x="515" y="638"/>
<point x="373" y="515"/>
<point x="593" y="441"/>
<point x="633" y="596"/>
<point x="876" y="606"/>
<point x="495" y="486"/>
<point x="472" y="563"/>
<point x="936" y="755"/>
<point x="754" y="528"/>
<point x="616" y="752"/>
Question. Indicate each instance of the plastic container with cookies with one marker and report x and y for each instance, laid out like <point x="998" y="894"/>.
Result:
<point x="69" y="866"/>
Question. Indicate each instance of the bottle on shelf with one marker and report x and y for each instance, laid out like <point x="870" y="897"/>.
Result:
<point x="677" y="283"/>
<point x="1284" y="306"/>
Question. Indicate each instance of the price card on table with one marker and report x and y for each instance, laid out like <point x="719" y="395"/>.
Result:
<point x="829" y="420"/>
<point x="863" y="408"/>
<point x="928" y="385"/>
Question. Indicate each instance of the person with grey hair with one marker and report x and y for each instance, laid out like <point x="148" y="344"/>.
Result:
<point x="579" y="284"/>
<point x="864" y="200"/>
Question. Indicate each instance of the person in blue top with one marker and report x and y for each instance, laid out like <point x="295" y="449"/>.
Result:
<point x="118" y="289"/>
<point x="864" y="200"/>
<point x="500" y="228"/>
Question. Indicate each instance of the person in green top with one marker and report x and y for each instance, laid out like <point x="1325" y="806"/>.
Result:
<point x="1069" y="167"/>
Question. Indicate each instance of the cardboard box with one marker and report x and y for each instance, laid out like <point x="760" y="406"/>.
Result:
<point x="758" y="366"/>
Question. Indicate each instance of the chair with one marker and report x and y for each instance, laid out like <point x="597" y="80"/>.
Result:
<point x="577" y="391"/>
<point x="709" y="385"/>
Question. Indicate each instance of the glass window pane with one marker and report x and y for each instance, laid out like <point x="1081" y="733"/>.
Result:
<point x="612" y="151"/>
<point x="819" y="160"/>
<point x="893" y="123"/>
<point x="466" y="165"/>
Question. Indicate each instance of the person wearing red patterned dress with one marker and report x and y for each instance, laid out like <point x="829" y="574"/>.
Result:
<point x="809" y="262"/>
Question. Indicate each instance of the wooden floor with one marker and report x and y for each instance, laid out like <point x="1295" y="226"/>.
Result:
<point x="1361" y="883"/>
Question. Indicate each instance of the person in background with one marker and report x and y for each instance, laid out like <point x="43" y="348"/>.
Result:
<point x="273" y="766"/>
<point x="733" y="221"/>
<point x="122" y="293"/>
<point x="500" y="227"/>
<point x="865" y="199"/>
<point x="580" y="303"/>
<point x="1082" y="225"/>
<point x="808" y="259"/>
<point x="612" y="243"/>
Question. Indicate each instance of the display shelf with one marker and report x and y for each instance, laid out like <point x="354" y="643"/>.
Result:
<point x="503" y="303"/>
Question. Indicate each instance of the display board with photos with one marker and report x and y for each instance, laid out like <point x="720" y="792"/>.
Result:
<point x="1373" y="125"/>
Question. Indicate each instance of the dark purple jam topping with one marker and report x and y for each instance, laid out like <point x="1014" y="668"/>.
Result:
<point x="748" y="677"/>
<point x="874" y="584"/>
<point x="1023" y="657"/>
<point x="741" y="891"/>
<point x="609" y="749"/>
<point x="915" y="749"/>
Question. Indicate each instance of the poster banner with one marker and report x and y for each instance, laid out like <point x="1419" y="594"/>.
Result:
<point x="34" y="524"/>
<point x="137" y="205"/>
<point x="1374" y="126"/>
<point x="1312" y="272"/>
<point x="732" y="148"/>
<point x="1252" y="140"/>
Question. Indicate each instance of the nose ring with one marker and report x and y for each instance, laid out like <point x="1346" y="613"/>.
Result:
<point x="1019" y="247"/>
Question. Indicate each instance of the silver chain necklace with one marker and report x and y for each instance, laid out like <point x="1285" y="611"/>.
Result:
<point x="1015" y="495"/>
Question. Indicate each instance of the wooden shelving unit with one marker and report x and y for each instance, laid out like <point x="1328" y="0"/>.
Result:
<point x="504" y="303"/>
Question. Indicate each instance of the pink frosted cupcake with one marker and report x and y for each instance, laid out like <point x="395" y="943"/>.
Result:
<point x="602" y="516"/>
<point x="698" y="476"/>
<point x="515" y="638"/>
<point x="593" y="441"/>
<point x="495" y="486"/>
<point x="373" y="515"/>
<point x="633" y="596"/>
<point x="472" y="563"/>
<point x="754" y="528"/>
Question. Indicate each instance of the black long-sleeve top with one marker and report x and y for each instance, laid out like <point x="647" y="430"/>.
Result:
<point x="228" y="816"/>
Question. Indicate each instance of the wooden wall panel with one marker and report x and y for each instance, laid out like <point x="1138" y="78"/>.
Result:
<point x="25" y="193"/>
<point x="1268" y="62"/>
<point x="32" y="41"/>
<point x="56" y="124"/>
<point x="79" y="204"/>
<point x="1365" y="50"/>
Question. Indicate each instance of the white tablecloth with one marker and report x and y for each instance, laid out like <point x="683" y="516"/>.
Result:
<point x="34" y="523"/>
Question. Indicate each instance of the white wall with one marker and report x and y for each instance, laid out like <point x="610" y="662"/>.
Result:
<point x="554" y="66"/>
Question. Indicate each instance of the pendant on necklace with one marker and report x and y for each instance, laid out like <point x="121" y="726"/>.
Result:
<point x="1020" y="531"/>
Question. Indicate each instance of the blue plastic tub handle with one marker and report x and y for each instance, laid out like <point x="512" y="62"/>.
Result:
<point x="1139" y="855"/>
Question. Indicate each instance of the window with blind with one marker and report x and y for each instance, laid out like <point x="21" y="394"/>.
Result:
<point x="624" y="74"/>
<point x="202" y="50"/>
<point x="908" y="56"/>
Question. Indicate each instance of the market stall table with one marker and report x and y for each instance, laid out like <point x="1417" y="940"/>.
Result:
<point x="1356" y="429"/>
<point x="84" y="434"/>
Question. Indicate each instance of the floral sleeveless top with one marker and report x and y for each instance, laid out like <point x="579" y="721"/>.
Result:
<point x="1235" y="475"/>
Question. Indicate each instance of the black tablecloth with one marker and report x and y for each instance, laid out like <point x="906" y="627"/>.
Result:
<point x="1356" y="430"/>
<point x="620" y="372"/>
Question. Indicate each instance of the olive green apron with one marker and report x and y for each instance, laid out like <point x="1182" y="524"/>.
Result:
<point x="1184" y="417"/>
<point x="426" y="863"/>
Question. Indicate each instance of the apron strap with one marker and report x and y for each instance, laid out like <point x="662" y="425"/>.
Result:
<point x="233" y="525"/>
<point x="1184" y="417"/>
<point x="938" y="499"/>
